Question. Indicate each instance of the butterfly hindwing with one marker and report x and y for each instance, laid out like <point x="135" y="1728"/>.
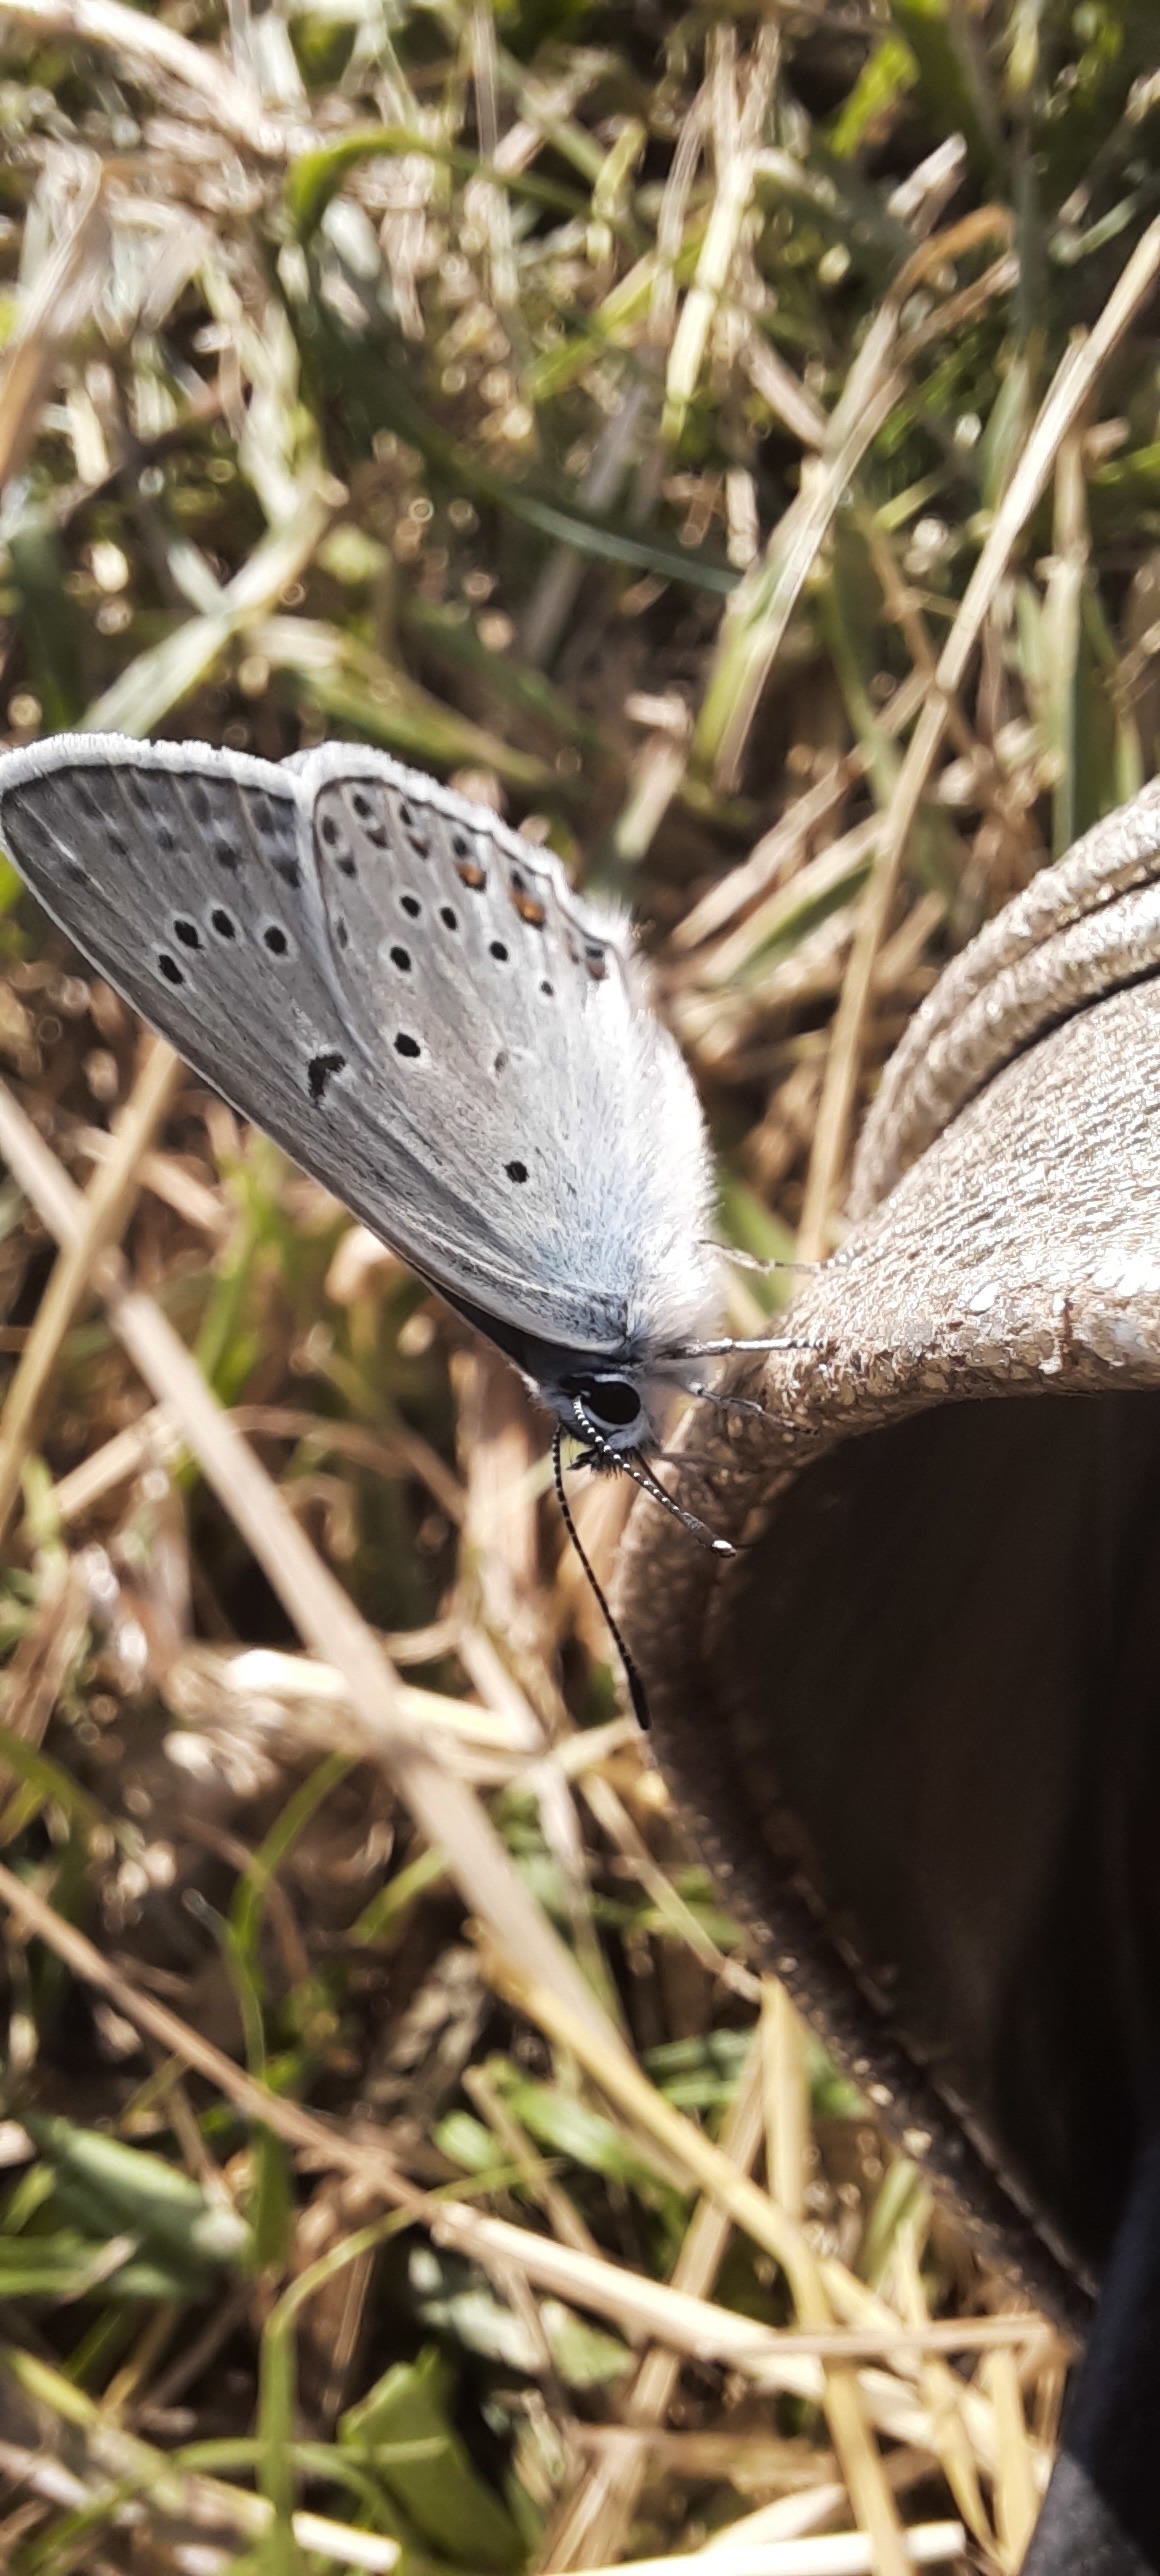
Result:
<point x="556" y="1103"/>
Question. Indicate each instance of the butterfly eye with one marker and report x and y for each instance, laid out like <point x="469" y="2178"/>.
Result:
<point x="610" y="1403"/>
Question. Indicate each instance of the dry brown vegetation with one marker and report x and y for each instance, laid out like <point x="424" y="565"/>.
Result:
<point x="729" y="442"/>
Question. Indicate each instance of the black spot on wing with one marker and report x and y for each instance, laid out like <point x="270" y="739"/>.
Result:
<point x="213" y="805"/>
<point x="366" y="808"/>
<point x="323" y="1069"/>
<point x="273" y="824"/>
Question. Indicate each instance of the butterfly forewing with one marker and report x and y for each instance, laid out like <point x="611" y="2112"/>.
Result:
<point x="407" y="998"/>
<point x="182" y="878"/>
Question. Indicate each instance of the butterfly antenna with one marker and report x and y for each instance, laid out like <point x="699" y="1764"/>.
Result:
<point x="751" y="1261"/>
<point x="631" y="1675"/>
<point x="728" y="1403"/>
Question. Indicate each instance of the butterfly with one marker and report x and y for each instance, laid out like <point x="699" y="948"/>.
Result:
<point x="410" y="998"/>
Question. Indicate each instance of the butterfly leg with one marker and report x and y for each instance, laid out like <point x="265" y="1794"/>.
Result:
<point x="723" y="1349"/>
<point x="751" y="1261"/>
<point x="703" y="1394"/>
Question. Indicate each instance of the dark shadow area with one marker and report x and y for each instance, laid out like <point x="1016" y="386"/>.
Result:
<point x="949" y="1646"/>
<point x="949" y="1641"/>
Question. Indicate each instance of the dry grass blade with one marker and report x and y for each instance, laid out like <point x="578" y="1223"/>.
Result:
<point x="930" y="2545"/>
<point x="603" y="2508"/>
<point x="150" y="49"/>
<point x="148" y="690"/>
<point x="756" y="619"/>
<point x="747" y="2206"/>
<point x="118" y="2457"/>
<point x="58" y="303"/>
<point x="107" y="1206"/>
<point x="1074" y="384"/>
<point x="683" y="2321"/>
<point x="449" y="1815"/>
<point x="738" y="103"/>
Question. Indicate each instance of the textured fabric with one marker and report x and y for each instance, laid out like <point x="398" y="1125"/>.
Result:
<point x="915" y="1725"/>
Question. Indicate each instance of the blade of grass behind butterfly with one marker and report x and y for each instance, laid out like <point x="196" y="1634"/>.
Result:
<point x="160" y="678"/>
<point x="1091" y="739"/>
<point x="367" y="371"/>
<point x="1080" y="736"/>
<point x="404" y="2426"/>
<point x="180" y="2484"/>
<point x="131" y="2190"/>
<point x="45" y="1783"/>
<point x="1061" y="643"/>
<point x="316" y="177"/>
<point x="567" y="523"/>
<point x="857" y="612"/>
<point x="881" y="87"/>
<point x="280" y="2461"/>
<point x="52" y="621"/>
<point x="272" y="2196"/>
<point x="1125" y="768"/>
<point x="756" y="621"/>
<point x="610" y="329"/>
<point x="249" y="1906"/>
<point x="270" y="2209"/>
<point x="952" y="77"/>
<point x="450" y="635"/>
<point x="349" y="681"/>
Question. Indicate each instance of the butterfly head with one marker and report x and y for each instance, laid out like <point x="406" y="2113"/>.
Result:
<point x="607" y="1411"/>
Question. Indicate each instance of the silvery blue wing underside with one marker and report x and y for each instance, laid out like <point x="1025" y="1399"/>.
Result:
<point x="410" y="1000"/>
